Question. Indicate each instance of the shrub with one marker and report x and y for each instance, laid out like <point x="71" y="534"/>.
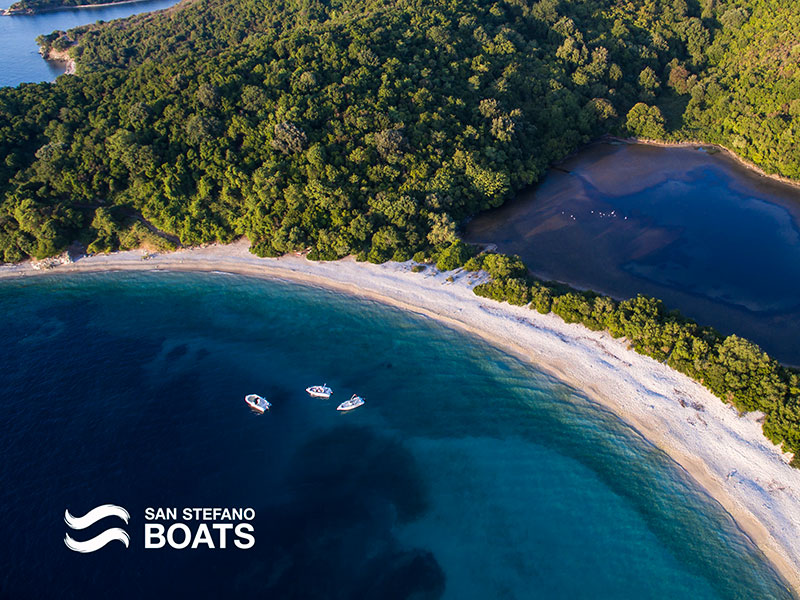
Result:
<point x="453" y="256"/>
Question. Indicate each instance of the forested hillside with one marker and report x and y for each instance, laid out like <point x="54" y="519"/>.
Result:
<point x="748" y="95"/>
<point x="360" y="127"/>
<point x="369" y="127"/>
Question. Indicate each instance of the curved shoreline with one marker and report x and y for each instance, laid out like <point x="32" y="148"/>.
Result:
<point x="725" y="454"/>
<point x="750" y="166"/>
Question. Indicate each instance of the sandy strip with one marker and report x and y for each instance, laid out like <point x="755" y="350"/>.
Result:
<point x="726" y="454"/>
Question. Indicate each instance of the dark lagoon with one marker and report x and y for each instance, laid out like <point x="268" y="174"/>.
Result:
<point x="20" y="61"/>
<point x="467" y="474"/>
<point x="698" y="230"/>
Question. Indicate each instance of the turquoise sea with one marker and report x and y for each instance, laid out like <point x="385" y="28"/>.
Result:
<point x="467" y="474"/>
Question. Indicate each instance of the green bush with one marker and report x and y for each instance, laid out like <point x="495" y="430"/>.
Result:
<point x="541" y="298"/>
<point x="500" y="266"/>
<point x="453" y="256"/>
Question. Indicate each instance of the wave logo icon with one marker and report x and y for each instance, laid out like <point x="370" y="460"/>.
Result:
<point x="89" y="519"/>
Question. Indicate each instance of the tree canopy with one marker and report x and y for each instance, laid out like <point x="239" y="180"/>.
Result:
<point x="358" y="127"/>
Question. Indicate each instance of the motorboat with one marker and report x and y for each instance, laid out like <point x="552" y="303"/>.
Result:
<point x="319" y="391"/>
<point x="257" y="403"/>
<point x="354" y="402"/>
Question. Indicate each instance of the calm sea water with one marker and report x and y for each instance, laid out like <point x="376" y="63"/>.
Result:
<point x="699" y="231"/>
<point x="467" y="474"/>
<point x="20" y="61"/>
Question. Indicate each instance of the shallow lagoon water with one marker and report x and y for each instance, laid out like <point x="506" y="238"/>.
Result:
<point x="701" y="232"/>
<point x="468" y="474"/>
<point x="20" y="61"/>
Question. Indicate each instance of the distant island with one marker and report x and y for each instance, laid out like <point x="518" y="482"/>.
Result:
<point x="31" y="7"/>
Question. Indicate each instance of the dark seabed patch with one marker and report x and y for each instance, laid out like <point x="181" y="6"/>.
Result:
<point x="333" y="537"/>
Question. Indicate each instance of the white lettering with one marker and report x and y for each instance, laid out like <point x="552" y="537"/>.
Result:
<point x="241" y="531"/>
<point x="218" y="535"/>
<point x="223" y="529"/>
<point x="187" y="533"/>
<point x="154" y="531"/>
<point x="203" y="536"/>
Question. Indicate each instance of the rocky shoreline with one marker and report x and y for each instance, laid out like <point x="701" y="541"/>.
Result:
<point x="59" y="56"/>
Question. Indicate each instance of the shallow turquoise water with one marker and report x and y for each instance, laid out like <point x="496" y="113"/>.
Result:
<point x="467" y="474"/>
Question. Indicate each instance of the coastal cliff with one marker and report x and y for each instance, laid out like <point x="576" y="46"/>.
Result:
<point x="60" y="56"/>
<point x="56" y="47"/>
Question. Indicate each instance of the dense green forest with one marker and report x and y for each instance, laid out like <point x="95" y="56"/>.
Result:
<point x="35" y="6"/>
<point x="365" y="127"/>
<point x="371" y="128"/>
<point x="747" y="97"/>
<point x="375" y="128"/>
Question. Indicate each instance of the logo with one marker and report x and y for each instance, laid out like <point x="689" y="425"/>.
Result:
<point x="189" y="528"/>
<point x="89" y="519"/>
<point x="211" y="528"/>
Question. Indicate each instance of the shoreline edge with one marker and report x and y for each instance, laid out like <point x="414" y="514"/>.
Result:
<point x="724" y="453"/>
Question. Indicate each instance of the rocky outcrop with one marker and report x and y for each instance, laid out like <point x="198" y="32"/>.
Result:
<point x="48" y="52"/>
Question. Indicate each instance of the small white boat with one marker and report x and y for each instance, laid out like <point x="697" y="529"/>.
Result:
<point x="354" y="402"/>
<point x="319" y="391"/>
<point x="257" y="403"/>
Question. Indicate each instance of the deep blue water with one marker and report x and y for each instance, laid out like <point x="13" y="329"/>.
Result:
<point x="699" y="231"/>
<point x="466" y="475"/>
<point x="20" y="61"/>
